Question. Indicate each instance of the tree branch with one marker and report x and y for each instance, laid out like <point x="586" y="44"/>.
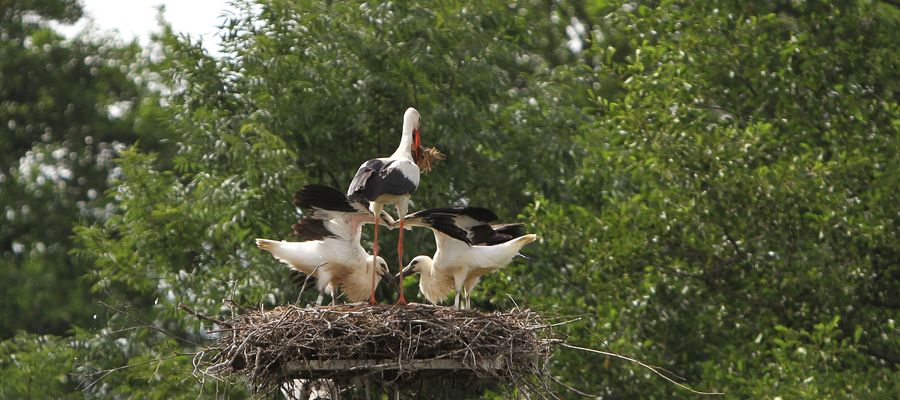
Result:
<point x="148" y="324"/>
<point x="655" y="370"/>
<point x="201" y="316"/>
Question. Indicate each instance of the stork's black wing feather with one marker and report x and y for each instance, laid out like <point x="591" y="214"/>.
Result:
<point x="376" y="177"/>
<point x="445" y="224"/>
<point x="363" y="175"/>
<point x="477" y="213"/>
<point x="391" y="180"/>
<point x="497" y="234"/>
<point x="514" y="230"/>
<point x="312" y="229"/>
<point x="481" y="234"/>
<point x="324" y="197"/>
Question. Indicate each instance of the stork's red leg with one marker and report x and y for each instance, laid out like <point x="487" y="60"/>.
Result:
<point x="374" y="262"/>
<point x="402" y="299"/>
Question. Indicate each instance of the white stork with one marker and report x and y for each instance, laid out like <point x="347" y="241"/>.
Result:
<point x="391" y="180"/>
<point x="334" y="255"/>
<point x="458" y="264"/>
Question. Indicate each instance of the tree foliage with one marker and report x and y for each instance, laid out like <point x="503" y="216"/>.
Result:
<point x="67" y="106"/>
<point x="738" y="222"/>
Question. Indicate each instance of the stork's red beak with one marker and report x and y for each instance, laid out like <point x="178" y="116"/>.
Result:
<point x="417" y="146"/>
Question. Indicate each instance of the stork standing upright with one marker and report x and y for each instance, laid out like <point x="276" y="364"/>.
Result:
<point x="391" y="180"/>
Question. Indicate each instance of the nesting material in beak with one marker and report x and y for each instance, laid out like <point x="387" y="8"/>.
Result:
<point x="426" y="157"/>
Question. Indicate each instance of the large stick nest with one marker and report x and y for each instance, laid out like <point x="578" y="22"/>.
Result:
<point x="405" y="345"/>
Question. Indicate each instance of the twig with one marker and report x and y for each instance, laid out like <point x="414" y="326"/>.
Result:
<point x="305" y="281"/>
<point x="201" y="316"/>
<point x="512" y="300"/>
<point x="147" y="324"/>
<point x="111" y="370"/>
<point x="559" y="323"/>
<point x="655" y="370"/>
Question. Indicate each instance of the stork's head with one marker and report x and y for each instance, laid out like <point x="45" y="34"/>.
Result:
<point x="418" y="264"/>
<point x="381" y="266"/>
<point x="387" y="219"/>
<point x="411" y="118"/>
<point x="411" y="121"/>
<point x="381" y="269"/>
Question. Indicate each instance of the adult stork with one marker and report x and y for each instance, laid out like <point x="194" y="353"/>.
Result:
<point x="332" y="254"/>
<point x="459" y="264"/>
<point x="391" y="180"/>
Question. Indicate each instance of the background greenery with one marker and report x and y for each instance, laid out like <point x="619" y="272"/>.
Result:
<point x="715" y="183"/>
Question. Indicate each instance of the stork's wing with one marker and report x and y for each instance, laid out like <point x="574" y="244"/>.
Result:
<point x="325" y="201"/>
<point x="440" y="222"/>
<point x="464" y="217"/>
<point x="384" y="176"/>
<point x="496" y="234"/>
<point x="312" y="229"/>
<point x="328" y="213"/>
<point x="365" y="171"/>
<point x="398" y="177"/>
<point x="354" y="282"/>
<point x="471" y="220"/>
<point x="515" y="230"/>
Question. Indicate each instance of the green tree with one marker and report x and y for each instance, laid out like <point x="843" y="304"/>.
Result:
<point x="37" y="366"/>
<point x="68" y="107"/>
<point x="736" y="220"/>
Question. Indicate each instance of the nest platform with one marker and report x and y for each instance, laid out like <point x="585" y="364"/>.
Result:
<point x="357" y="346"/>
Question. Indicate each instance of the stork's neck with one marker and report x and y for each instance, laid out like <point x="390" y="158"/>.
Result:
<point x="428" y="280"/>
<point x="427" y="270"/>
<point x="356" y="230"/>
<point x="404" y="150"/>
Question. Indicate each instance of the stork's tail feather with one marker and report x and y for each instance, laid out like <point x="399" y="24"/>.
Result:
<point x="265" y="244"/>
<point x="529" y="238"/>
<point x="521" y="241"/>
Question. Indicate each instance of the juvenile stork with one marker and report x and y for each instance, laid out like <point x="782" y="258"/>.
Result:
<point x="332" y="254"/>
<point x="391" y="180"/>
<point x="460" y="264"/>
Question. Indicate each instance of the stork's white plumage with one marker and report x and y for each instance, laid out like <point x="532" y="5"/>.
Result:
<point x="459" y="263"/>
<point x="391" y="180"/>
<point x="324" y="261"/>
<point x="334" y="255"/>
